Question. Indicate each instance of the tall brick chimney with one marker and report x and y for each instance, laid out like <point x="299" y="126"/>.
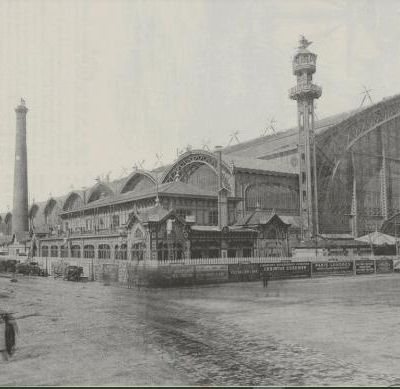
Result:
<point x="20" y="206"/>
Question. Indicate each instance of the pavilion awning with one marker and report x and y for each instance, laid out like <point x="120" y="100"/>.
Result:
<point x="377" y="239"/>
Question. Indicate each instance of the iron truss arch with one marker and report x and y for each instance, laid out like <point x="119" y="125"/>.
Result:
<point x="353" y="170"/>
<point x="190" y="161"/>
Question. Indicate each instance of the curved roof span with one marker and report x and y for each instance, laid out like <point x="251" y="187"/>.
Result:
<point x="100" y="190"/>
<point x="190" y="161"/>
<point x="52" y="202"/>
<point x="71" y="198"/>
<point x="130" y="182"/>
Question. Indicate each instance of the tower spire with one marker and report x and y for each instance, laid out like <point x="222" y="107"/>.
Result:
<point x="305" y="92"/>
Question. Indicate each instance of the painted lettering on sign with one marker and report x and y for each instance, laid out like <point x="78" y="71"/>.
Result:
<point x="332" y="268"/>
<point x="365" y="266"/>
<point x="285" y="270"/>
<point x="244" y="272"/>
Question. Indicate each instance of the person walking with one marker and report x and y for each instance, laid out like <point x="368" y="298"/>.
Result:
<point x="8" y="331"/>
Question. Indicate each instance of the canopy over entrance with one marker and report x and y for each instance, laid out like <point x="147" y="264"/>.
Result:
<point x="377" y="239"/>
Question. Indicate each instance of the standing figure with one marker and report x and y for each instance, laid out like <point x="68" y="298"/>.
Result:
<point x="3" y="343"/>
<point x="9" y="330"/>
<point x="265" y="280"/>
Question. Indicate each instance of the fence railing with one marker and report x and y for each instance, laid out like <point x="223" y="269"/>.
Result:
<point x="94" y="269"/>
<point x="203" y="261"/>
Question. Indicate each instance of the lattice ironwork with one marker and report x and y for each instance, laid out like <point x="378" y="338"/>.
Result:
<point x="359" y="169"/>
<point x="189" y="162"/>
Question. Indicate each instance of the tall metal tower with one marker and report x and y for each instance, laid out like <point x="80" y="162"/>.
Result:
<point x="304" y="65"/>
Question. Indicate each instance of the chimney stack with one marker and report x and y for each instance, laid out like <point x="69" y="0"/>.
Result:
<point x="20" y="205"/>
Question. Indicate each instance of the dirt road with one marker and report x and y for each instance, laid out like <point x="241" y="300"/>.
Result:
<point x="331" y="331"/>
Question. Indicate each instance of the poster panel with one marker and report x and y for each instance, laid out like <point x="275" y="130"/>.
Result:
<point x="365" y="266"/>
<point x="244" y="272"/>
<point x="338" y="268"/>
<point x="285" y="270"/>
<point x="384" y="265"/>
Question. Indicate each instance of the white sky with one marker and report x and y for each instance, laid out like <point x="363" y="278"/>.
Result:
<point x="110" y="83"/>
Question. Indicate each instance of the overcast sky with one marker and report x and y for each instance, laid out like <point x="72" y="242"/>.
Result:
<point x="111" y="83"/>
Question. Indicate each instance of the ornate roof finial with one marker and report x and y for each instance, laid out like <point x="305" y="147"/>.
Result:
<point x="303" y="42"/>
<point x="22" y="101"/>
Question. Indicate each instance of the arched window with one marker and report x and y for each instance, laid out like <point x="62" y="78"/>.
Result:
<point x="54" y="251"/>
<point x="104" y="251"/>
<point x="76" y="251"/>
<point x="45" y="251"/>
<point x="88" y="251"/>
<point x="137" y="251"/>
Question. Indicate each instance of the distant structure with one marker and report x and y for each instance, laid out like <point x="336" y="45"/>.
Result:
<point x="304" y="65"/>
<point x="20" y="207"/>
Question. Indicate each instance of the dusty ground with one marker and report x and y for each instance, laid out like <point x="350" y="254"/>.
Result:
<point x="330" y="331"/>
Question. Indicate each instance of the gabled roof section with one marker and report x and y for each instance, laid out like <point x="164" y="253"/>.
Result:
<point x="156" y="214"/>
<point x="259" y="217"/>
<point x="176" y="188"/>
<point x="293" y="221"/>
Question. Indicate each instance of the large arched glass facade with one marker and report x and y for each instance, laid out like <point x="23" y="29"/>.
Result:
<point x="358" y="167"/>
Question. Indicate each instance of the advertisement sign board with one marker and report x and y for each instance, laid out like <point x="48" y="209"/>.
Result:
<point x="365" y="266"/>
<point x="206" y="273"/>
<point x="337" y="268"/>
<point x="244" y="272"/>
<point x="285" y="270"/>
<point x="384" y="265"/>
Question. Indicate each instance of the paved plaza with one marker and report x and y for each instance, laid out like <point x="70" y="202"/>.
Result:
<point x="328" y="331"/>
